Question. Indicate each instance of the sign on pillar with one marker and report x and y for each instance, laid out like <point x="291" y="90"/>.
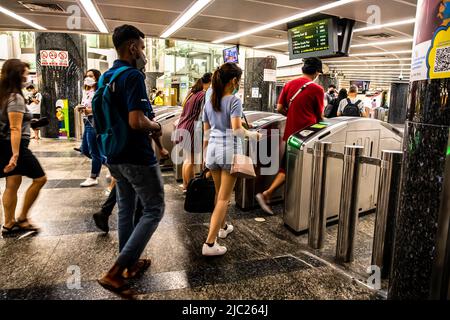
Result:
<point x="54" y="58"/>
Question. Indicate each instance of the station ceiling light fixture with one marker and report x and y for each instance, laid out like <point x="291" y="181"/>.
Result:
<point x="369" y="65"/>
<point x="272" y="45"/>
<point x="185" y="17"/>
<point x="369" y="70"/>
<point x="381" y="53"/>
<point x="94" y="15"/>
<point x="21" y="19"/>
<point x="375" y="72"/>
<point x="386" y="25"/>
<point x="381" y="43"/>
<point x="297" y="16"/>
<point x="368" y="61"/>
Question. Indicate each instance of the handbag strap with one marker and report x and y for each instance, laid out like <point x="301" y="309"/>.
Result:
<point x="245" y="119"/>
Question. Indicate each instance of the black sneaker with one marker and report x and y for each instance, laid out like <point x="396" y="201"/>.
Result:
<point x="101" y="221"/>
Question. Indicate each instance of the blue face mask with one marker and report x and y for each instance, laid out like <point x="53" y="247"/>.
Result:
<point x="236" y="90"/>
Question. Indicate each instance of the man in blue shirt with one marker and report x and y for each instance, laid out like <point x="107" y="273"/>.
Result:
<point x="136" y="169"/>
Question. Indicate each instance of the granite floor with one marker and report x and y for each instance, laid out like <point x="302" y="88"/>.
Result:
<point x="265" y="259"/>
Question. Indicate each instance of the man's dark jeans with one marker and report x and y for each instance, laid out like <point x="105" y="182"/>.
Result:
<point x="110" y="203"/>
<point x="146" y="183"/>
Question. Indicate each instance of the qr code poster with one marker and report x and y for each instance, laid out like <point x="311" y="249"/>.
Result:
<point x="439" y="55"/>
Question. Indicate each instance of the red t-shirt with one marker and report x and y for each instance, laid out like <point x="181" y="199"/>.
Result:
<point x="307" y="107"/>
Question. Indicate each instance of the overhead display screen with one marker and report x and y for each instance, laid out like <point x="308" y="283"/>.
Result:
<point x="321" y="36"/>
<point x="231" y="55"/>
<point x="311" y="37"/>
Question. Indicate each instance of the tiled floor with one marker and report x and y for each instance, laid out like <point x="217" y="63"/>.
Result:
<point x="265" y="260"/>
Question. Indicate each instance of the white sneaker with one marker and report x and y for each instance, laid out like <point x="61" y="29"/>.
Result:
<point x="224" y="233"/>
<point x="262" y="203"/>
<point x="89" y="183"/>
<point x="215" y="250"/>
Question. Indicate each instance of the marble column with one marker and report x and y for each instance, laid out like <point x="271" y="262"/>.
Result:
<point x="425" y="146"/>
<point x="423" y="185"/>
<point x="326" y="80"/>
<point x="259" y="95"/>
<point x="398" y="103"/>
<point x="150" y="80"/>
<point x="60" y="82"/>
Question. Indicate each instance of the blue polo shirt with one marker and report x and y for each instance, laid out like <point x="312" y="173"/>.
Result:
<point x="130" y="94"/>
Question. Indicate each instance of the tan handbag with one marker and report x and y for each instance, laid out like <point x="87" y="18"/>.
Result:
<point x="242" y="167"/>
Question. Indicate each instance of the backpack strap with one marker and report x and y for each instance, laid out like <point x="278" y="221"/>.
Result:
<point x="299" y="91"/>
<point x="114" y="77"/>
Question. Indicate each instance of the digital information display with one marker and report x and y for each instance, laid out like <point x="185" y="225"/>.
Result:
<point x="231" y="55"/>
<point x="311" y="37"/>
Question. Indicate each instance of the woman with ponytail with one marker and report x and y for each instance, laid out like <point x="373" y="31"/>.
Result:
<point x="222" y="123"/>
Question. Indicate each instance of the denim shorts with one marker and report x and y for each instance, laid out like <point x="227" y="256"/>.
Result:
<point x="219" y="155"/>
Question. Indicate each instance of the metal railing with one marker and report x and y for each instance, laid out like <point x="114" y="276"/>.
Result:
<point x="389" y="178"/>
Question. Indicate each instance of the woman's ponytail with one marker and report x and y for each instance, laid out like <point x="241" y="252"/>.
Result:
<point x="221" y="77"/>
<point x="217" y="87"/>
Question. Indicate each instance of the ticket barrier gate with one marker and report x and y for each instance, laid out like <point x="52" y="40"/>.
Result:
<point x="250" y="116"/>
<point x="373" y="135"/>
<point x="167" y="121"/>
<point x="159" y="111"/>
<point x="268" y="154"/>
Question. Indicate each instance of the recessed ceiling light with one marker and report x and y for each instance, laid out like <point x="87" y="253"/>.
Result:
<point x="21" y="19"/>
<point x="94" y="14"/>
<point x="185" y="17"/>
<point x="271" y="45"/>
<point x="381" y="53"/>
<point x="366" y="61"/>
<point x="370" y="65"/>
<point x="286" y="20"/>
<point x="381" y="43"/>
<point x="387" y="25"/>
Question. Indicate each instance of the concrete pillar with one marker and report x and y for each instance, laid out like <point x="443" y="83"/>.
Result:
<point x="60" y="82"/>
<point x="398" y="103"/>
<point x="260" y="94"/>
<point x="426" y="151"/>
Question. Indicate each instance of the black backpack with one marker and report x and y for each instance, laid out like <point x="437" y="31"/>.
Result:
<point x="331" y="109"/>
<point x="200" y="195"/>
<point x="351" y="109"/>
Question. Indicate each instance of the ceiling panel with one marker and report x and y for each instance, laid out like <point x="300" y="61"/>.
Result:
<point x="248" y="11"/>
<point x="223" y="18"/>
<point x="150" y="30"/>
<point x="162" y="5"/>
<point x="134" y="15"/>
<point x="389" y="11"/>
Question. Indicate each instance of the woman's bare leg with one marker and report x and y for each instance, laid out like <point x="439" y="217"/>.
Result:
<point x="227" y="183"/>
<point x="31" y="196"/>
<point x="188" y="170"/>
<point x="10" y="199"/>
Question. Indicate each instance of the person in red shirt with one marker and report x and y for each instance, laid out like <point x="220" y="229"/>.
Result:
<point x="303" y="103"/>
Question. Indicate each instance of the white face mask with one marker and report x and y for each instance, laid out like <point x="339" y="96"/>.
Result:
<point x="141" y="62"/>
<point x="89" y="82"/>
